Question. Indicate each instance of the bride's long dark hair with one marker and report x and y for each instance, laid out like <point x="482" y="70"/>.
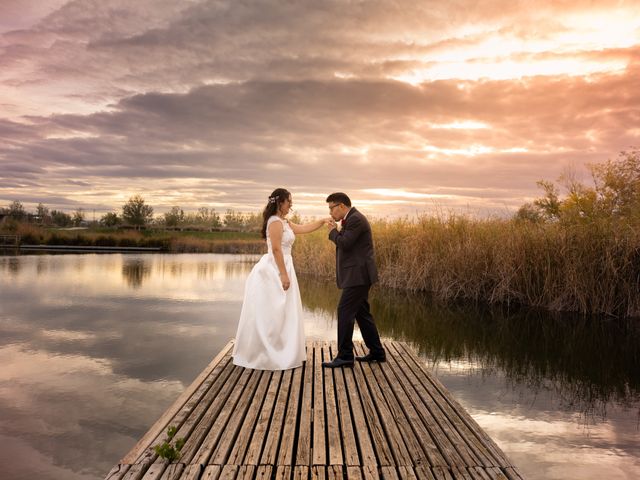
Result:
<point x="277" y="197"/>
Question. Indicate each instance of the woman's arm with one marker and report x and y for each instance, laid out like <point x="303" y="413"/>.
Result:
<point x="308" y="227"/>
<point x="275" y="234"/>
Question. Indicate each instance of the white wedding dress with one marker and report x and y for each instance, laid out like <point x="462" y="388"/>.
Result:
<point x="270" y="332"/>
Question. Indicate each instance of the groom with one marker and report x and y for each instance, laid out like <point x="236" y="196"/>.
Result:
<point x="355" y="273"/>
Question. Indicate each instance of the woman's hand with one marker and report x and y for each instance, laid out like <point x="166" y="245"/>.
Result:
<point x="284" y="278"/>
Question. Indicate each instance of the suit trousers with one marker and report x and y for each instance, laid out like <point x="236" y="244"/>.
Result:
<point x="354" y="305"/>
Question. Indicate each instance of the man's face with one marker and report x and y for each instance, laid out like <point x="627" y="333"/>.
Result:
<point x="337" y="210"/>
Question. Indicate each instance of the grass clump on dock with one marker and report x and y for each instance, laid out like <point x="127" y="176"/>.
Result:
<point x="168" y="450"/>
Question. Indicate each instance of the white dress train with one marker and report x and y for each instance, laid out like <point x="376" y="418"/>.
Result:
<point x="270" y="332"/>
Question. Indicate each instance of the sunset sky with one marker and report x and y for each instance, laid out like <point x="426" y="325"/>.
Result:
<point x="407" y="106"/>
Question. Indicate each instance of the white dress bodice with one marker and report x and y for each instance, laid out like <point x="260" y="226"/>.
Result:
<point x="288" y="237"/>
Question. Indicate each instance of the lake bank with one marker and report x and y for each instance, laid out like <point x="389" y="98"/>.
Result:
<point x="588" y="268"/>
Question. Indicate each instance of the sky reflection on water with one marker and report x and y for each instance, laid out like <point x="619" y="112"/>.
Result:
<point x="95" y="347"/>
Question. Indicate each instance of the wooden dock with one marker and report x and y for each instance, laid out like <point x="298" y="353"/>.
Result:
<point x="393" y="420"/>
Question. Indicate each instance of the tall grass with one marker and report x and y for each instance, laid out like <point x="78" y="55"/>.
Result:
<point x="589" y="268"/>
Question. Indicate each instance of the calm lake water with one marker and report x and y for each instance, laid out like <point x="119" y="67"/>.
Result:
<point x="94" y="348"/>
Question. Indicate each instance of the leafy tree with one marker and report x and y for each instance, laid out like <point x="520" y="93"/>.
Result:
<point x="110" y="219"/>
<point x="549" y="205"/>
<point x="60" y="218"/>
<point x="208" y="217"/>
<point x="234" y="220"/>
<point x="136" y="212"/>
<point x="253" y="222"/>
<point x="78" y="217"/>
<point x="42" y="212"/>
<point x="16" y="210"/>
<point x="617" y="184"/>
<point x="174" y="217"/>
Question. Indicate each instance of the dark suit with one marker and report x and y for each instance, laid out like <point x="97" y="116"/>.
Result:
<point x="355" y="273"/>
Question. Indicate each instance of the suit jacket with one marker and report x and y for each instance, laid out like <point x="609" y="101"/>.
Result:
<point x="355" y="263"/>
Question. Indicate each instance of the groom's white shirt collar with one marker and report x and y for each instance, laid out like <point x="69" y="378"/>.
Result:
<point x="347" y="214"/>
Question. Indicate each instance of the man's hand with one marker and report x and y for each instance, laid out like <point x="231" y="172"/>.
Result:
<point x="331" y="224"/>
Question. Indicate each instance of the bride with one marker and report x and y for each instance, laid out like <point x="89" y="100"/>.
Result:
<point x="270" y="332"/>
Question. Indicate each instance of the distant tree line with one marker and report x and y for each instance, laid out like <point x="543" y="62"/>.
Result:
<point x="136" y="213"/>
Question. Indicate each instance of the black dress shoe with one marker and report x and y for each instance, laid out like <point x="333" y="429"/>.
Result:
<point x="372" y="358"/>
<point x="338" y="362"/>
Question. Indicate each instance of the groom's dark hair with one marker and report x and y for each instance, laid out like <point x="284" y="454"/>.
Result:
<point x="339" y="197"/>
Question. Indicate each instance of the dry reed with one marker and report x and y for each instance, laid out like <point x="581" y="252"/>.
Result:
<point x="589" y="268"/>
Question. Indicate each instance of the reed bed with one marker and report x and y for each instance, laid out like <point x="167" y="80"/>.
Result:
<point x="590" y="268"/>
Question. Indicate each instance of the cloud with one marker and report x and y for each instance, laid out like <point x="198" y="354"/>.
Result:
<point x="220" y="101"/>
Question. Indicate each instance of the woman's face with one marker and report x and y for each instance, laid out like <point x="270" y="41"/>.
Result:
<point x="285" y="207"/>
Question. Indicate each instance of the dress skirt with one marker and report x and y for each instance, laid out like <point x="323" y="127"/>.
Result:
<point x="270" y="332"/>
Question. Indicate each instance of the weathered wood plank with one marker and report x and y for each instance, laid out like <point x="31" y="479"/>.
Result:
<point x="495" y="473"/>
<point x="424" y="472"/>
<point x="355" y="473"/>
<point x="173" y="471"/>
<point x="292" y="419"/>
<point x="239" y="451"/>
<point x="319" y="451"/>
<point x="211" y="472"/>
<point x="260" y="432"/>
<point x="405" y="417"/>
<point x="401" y="387"/>
<point x="318" y="472"/>
<point x="335" y="472"/>
<point x="389" y="422"/>
<point x="512" y="473"/>
<point x="305" y="434"/>
<point x="378" y="438"/>
<point x="229" y="472"/>
<point x="334" y="435"/>
<point x="192" y="472"/>
<point x="234" y="423"/>
<point x="155" y="470"/>
<point x="217" y="427"/>
<point x="117" y="472"/>
<point x="348" y="435"/>
<point x="442" y="473"/>
<point x="460" y="472"/>
<point x="361" y="428"/>
<point x="264" y="472"/>
<point x="246" y="472"/>
<point x="274" y="434"/>
<point x="389" y="473"/>
<point x="300" y="472"/>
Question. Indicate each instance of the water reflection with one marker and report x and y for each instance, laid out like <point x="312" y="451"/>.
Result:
<point x="95" y="347"/>
<point x="588" y="361"/>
